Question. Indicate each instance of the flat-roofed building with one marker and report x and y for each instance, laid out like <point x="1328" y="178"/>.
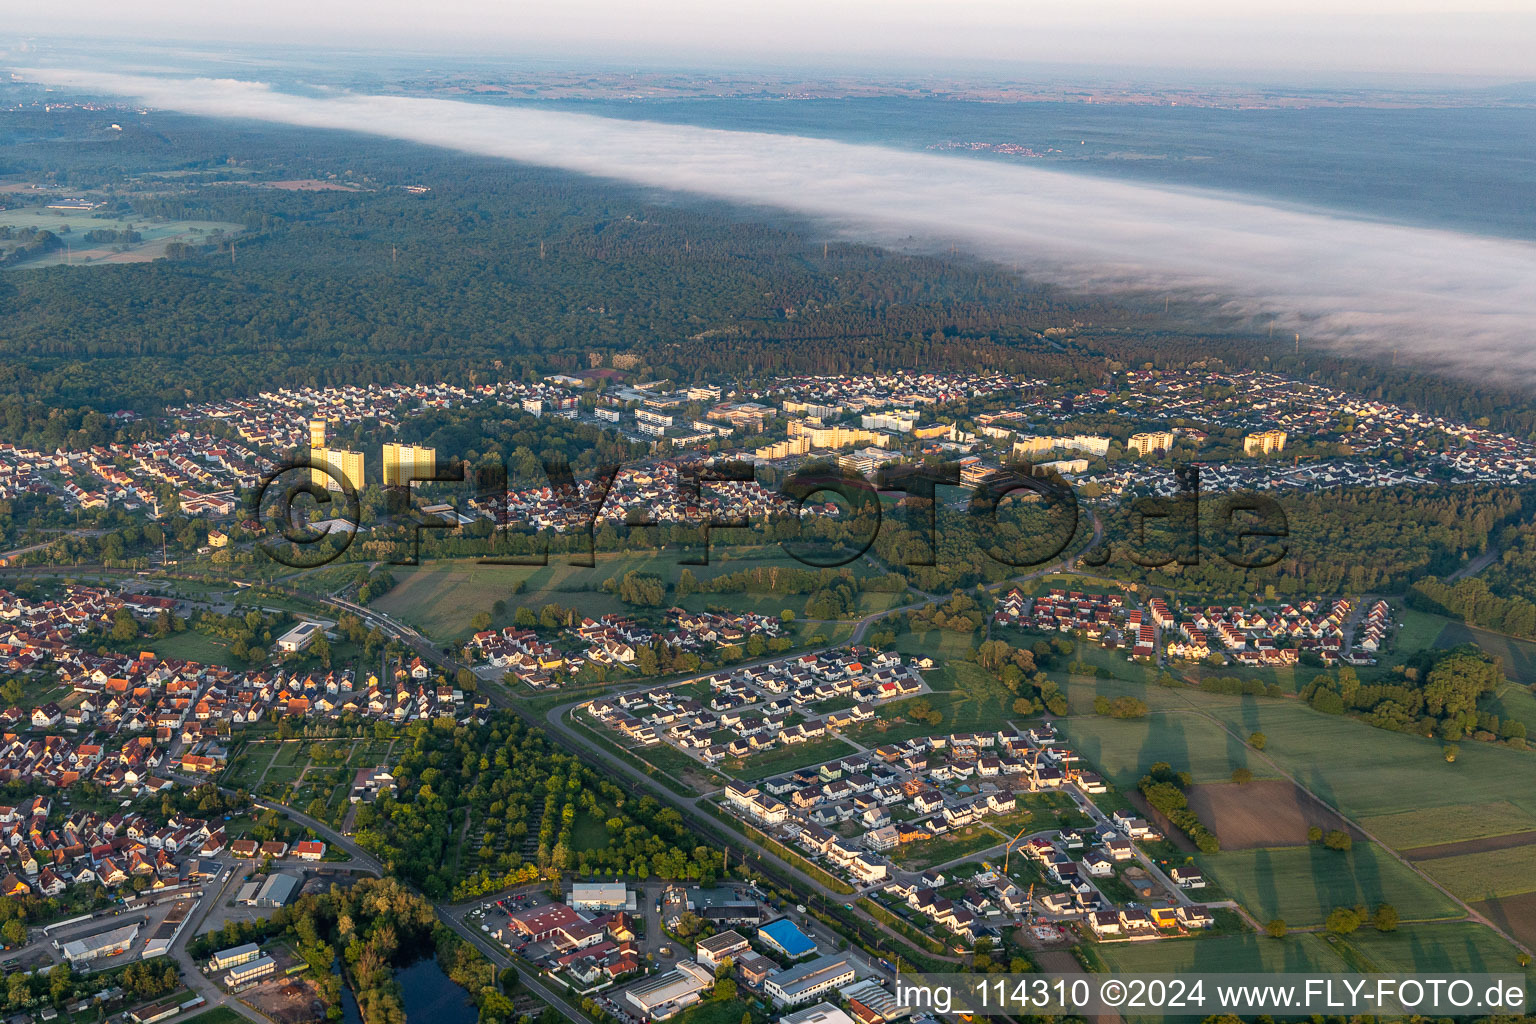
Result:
<point x="821" y="1013"/>
<point x="406" y="462"/>
<point x="1264" y="442"/>
<point x="1031" y="446"/>
<point x="806" y="981"/>
<point x="601" y="896"/>
<point x="102" y="944"/>
<point x="226" y="958"/>
<point x="668" y="994"/>
<point x="244" y="974"/>
<point x="299" y="637"/>
<point x="329" y="465"/>
<point x="1149" y="442"/>
<point x="728" y="945"/>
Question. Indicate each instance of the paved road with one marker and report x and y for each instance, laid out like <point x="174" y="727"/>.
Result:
<point x="195" y="979"/>
<point x="1475" y="566"/>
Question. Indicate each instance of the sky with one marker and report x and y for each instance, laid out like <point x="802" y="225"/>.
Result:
<point x="1455" y="300"/>
<point x="1483" y="38"/>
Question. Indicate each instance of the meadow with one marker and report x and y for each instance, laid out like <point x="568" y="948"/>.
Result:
<point x="787" y="758"/>
<point x="1369" y="772"/>
<point x="1123" y="749"/>
<point x="441" y="596"/>
<point x="1301" y="884"/>
<point x="1445" y="946"/>
<point x="1221" y="954"/>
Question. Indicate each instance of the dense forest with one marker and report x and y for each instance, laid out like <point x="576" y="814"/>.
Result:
<point x="1437" y="693"/>
<point x="1345" y="541"/>
<point x="510" y="270"/>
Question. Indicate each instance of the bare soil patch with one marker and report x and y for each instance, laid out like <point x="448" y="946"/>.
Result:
<point x="1515" y="914"/>
<point x="291" y="1000"/>
<point x="1262" y="814"/>
<point x="1485" y="845"/>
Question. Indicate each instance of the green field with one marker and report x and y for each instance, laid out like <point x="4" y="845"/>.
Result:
<point x="965" y="695"/>
<point x="1456" y="823"/>
<point x="951" y="846"/>
<point x="1301" y="884"/>
<point x="1123" y="749"/>
<point x="217" y="1015"/>
<point x="189" y="644"/>
<point x="1519" y="656"/>
<point x="439" y="597"/>
<point x="1445" y="946"/>
<point x="156" y="234"/>
<point x="1516" y="701"/>
<point x="1369" y="772"/>
<point x="1222" y="954"/>
<point x="1487" y="875"/>
<point x="786" y="758"/>
<point x="1433" y="947"/>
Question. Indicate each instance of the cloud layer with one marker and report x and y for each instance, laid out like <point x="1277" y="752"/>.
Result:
<point x="1455" y="300"/>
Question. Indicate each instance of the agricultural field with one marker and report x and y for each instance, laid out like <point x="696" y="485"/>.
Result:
<point x="1260" y="814"/>
<point x="1519" y="656"/>
<point x="1410" y="830"/>
<point x="1368" y="772"/>
<point x="1515" y="914"/>
<point x="439" y="597"/>
<point x="1488" y="874"/>
<point x="1217" y="954"/>
<point x="1517" y="701"/>
<point x="1123" y="749"/>
<point x="1302" y="884"/>
<point x="1443" y="946"/>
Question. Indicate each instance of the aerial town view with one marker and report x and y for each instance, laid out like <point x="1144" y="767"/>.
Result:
<point x="619" y="515"/>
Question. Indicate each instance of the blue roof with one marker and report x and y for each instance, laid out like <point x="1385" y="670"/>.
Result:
<point x="787" y="936"/>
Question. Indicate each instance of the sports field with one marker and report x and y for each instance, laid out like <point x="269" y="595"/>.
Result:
<point x="1302" y="884"/>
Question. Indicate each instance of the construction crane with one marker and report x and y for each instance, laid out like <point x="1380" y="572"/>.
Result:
<point x="1029" y="905"/>
<point x="1008" y="851"/>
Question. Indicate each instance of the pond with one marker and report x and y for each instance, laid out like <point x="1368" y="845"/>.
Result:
<point x="429" y="994"/>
